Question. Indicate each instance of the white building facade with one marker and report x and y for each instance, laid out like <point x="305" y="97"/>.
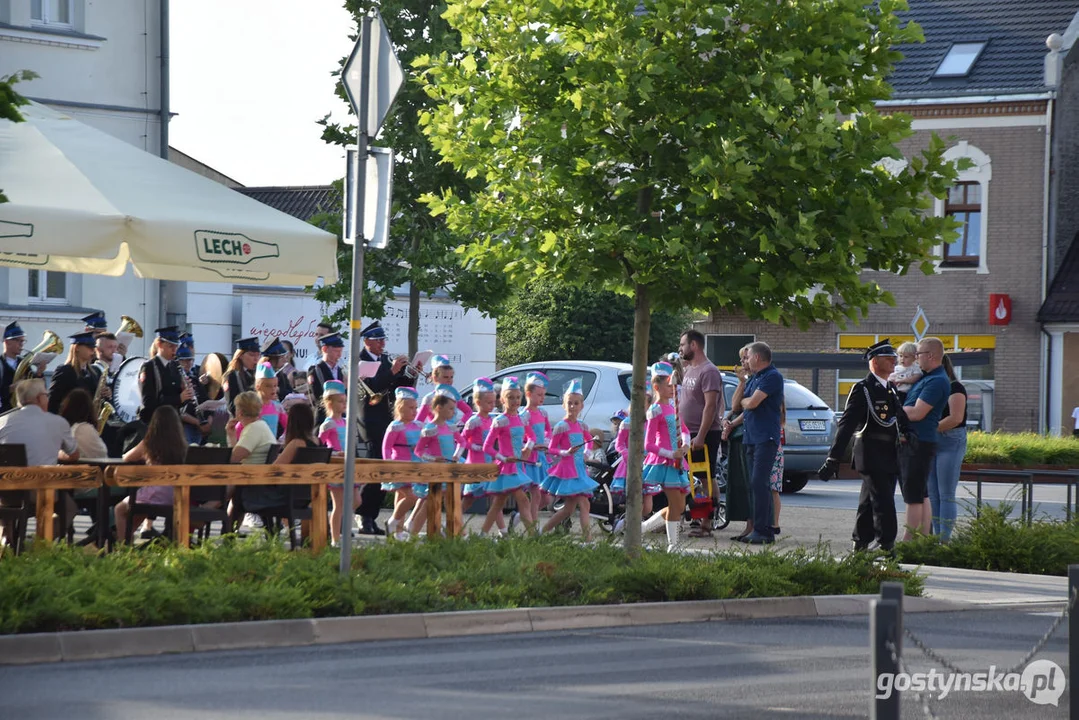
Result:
<point x="106" y="65"/>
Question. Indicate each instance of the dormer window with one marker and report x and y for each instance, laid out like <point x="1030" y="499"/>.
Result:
<point x="959" y="60"/>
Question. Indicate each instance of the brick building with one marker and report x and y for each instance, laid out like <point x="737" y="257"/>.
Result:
<point x="986" y="81"/>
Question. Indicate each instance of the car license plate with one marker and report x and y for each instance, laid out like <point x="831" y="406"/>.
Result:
<point x="812" y="425"/>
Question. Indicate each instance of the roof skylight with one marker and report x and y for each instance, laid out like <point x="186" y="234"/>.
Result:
<point x="959" y="60"/>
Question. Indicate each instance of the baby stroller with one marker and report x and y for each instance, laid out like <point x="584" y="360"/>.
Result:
<point x="605" y="505"/>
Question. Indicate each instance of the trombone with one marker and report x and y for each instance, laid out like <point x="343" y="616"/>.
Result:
<point x="372" y="397"/>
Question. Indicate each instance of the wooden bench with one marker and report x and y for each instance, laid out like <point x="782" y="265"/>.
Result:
<point x="1026" y="478"/>
<point x="317" y="475"/>
<point x="47" y="479"/>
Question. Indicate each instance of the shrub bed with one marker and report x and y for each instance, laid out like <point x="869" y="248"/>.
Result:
<point x="62" y="588"/>
<point x="995" y="541"/>
<point x="1021" y="449"/>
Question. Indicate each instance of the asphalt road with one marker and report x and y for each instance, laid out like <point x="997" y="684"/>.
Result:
<point x="843" y="494"/>
<point x="764" y="669"/>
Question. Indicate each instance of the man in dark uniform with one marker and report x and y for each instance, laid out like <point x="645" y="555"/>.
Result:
<point x="328" y="368"/>
<point x="871" y="418"/>
<point x="377" y="418"/>
<point x="77" y="372"/>
<point x="14" y="340"/>
<point x="160" y="378"/>
<point x="274" y="352"/>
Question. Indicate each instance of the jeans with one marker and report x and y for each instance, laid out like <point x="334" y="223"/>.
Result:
<point x="759" y="459"/>
<point x="944" y="479"/>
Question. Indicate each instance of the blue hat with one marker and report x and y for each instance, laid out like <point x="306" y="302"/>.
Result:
<point x="511" y="382"/>
<point x="406" y="393"/>
<point x="184" y="352"/>
<point x="662" y="369"/>
<point x="620" y="415"/>
<point x="882" y="349"/>
<point x="248" y="344"/>
<point x="13" y="332"/>
<point x="273" y="347"/>
<point x="83" y="338"/>
<point x="333" y="340"/>
<point x="168" y="334"/>
<point x="482" y="384"/>
<point x="448" y="391"/>
<point x="333" y="387"/>
<point x="374" y="331"/>
<point x="536" y="378"/>
<point x="265" y="371"/>
<point x="574" y="387"/>
<point x="440" y="361"/>
<point x="187" y="340"/>
<point x="96" y="320"/>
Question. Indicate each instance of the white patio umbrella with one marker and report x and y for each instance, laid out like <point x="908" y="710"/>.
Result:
<point x="84" y="201"/>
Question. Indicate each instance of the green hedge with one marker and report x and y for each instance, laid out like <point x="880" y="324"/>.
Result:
<point x="1023" y="449"/>
<point x="62" y="588"/>
<point x="995" y="541"/>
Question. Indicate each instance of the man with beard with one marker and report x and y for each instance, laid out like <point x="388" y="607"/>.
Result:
<point x="702" y="405"/>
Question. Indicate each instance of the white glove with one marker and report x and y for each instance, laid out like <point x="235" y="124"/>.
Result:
<point x="500" y="458"/>
<point x="686" y="439"/>
<point x="430" y="458"/>
<point x="565" y="453"/>
<point x="478" y="448"/>
<point x="528" y="446"/>
<point x="664" y="453"/>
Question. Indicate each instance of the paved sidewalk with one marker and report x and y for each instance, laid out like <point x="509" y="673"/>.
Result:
<point x="985" y="588"/>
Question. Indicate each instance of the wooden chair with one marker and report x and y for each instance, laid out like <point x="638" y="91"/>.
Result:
<point x="239" y="510"/>
<point x="16" y="514"/>
<point x="298" y="504"/>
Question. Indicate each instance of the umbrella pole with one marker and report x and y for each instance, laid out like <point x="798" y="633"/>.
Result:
<point x="356" y="316"/>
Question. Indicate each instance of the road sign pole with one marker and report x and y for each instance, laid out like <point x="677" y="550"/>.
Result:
<point x="356" y="316"/>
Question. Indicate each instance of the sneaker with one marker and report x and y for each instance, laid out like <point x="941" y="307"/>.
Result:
<point x="514" y="519"/>
<point x="391" y="526"/>
<point x="403" y="535"/>
<point x="619" y="526"/>
<point x="251" y="522"/>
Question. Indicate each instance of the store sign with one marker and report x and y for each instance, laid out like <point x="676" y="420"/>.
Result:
<point x="1000" y="309"/>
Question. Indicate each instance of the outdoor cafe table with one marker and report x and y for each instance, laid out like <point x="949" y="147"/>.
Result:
<point x="104" y="494"/>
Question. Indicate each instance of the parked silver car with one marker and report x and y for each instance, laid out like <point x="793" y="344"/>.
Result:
<point x="809" y="431"/>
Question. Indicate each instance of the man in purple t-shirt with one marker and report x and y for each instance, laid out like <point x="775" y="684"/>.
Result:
<point x="702" y="405"/>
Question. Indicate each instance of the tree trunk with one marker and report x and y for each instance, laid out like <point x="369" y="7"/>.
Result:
<point x="642" y="321"/>
<point x="414" y="308"/>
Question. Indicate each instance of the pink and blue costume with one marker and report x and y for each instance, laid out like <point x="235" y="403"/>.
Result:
<point x="506" y="439"/>
<point x="436" y="442"/>
<point x="569" y="477"/>
<point x="621" y="445"/>
<point x="662" y="434"/>
<point x="460" y="415"/>
<point x="476" y="429"/>
<point x="537" y="419"/>
<point x="399" y="444"/>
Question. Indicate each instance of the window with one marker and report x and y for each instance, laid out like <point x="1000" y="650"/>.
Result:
<point x="45" y="286"/>
<point x="964" y="203"/>
<point x="558" y="378"/>
<point x="52" y="12"/>
<point x="960" y="60"/>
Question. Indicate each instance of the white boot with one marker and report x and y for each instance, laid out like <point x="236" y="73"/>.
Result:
<point x="672" y="536"/>
<point x="653" y="523"/>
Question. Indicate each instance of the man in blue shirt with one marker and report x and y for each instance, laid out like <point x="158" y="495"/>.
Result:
<point x="924" y="405"/>
<point x="762" y="405"/>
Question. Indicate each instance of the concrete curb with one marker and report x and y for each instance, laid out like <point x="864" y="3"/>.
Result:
<point x="73" y="646"/>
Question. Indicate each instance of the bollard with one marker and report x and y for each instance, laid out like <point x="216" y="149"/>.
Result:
<point x="895" y="591"/>
<point x="1073" y="640"/>
<point x="883" y="622"/>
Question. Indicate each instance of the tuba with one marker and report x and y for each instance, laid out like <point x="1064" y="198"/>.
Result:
<point x="128" y="324"/>
<point x="50" y="343"/>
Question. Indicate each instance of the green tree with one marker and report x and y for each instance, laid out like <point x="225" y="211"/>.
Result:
<point x="549" y="319"/>
<point x="10" y="102"/>
<point x="422" y="249"/>
<point x="728" y="153"/>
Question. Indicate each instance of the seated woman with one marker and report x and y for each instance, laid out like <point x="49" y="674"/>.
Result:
<point x="300" y="434"/>
<point x="78" y="409"/>
<point x="164" y="444"/>
<point x="251" y="446"/>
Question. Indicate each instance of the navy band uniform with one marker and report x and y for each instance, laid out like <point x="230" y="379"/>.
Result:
<point x="871" y="418"/>
<point x="160" y="382"/>
<point x="67" y="377"/>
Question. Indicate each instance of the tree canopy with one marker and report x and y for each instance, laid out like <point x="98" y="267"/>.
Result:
<point x="549" y="319"/>
<point x="10" y="102"/>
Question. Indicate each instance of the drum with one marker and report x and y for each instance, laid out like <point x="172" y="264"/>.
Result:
<point x="126" y="394"/>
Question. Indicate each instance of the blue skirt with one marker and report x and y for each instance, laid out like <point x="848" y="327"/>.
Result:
<point x="474" y="490"/>
<point x="509" y="483"/>
<point x="618" y="485"/>
<point x="570" y="487"/>
<point x="666" y="477"/>
<point x="394" y="487"/>
<point x="537" y="473"/>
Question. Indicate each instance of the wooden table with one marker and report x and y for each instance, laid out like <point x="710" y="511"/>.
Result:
<point x="47" y="479"/>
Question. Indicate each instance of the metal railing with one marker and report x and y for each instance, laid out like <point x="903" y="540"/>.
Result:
<point x="1026" y="479"/>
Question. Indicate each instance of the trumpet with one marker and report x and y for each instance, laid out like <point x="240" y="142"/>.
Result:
<point x="372" y="397"/>
<point x="50" y="343"/>
<point x="410" y="370"/>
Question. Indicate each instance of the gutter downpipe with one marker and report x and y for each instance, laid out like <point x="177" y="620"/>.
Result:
<point x="163" y="141"/>
<point x="1045" y="423"/>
